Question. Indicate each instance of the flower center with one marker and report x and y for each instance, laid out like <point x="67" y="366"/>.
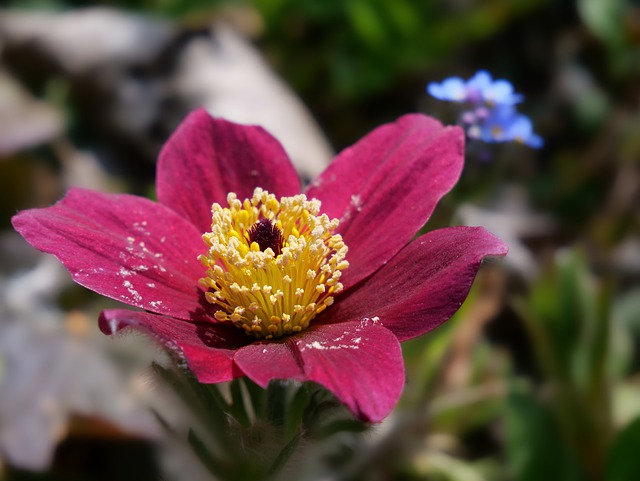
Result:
<point x="272" y="266"/>
<point x="267" y="236"/>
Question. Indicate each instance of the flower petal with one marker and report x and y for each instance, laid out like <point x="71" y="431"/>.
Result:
<point x="207" y="347"/>
<point x="124" y="247"/>
<point x="385" y="187"/>
<point x="360" y="362"/>
<point x="452" y="89"/>
<point x="206" y="158"/>
<point x="424" y="285"/>
<point x="501" y="92"/>
<point x="480" y="82"/>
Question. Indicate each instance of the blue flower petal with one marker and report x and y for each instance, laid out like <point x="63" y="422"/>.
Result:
<point x="521" y="130"/>
<point x="480" y="81"/>
<point x="451" y="89"/>
<point x="501" y="92"/>
<point x="497" y="125"/>
<point x="505" y="124"/>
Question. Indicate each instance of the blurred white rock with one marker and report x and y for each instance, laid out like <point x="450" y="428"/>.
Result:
<point x="228" y="76"/>
<point x="512" y="220"/>
<point x="54" y="365"/>
<point x="86" y="39"/>
<point x="137" y="74"/>
<point x="24" y="121"/>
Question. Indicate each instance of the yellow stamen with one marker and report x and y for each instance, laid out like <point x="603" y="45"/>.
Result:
<point x="265" y="294"/>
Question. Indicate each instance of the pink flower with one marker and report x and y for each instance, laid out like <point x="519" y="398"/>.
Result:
<point x="382" y="189"/>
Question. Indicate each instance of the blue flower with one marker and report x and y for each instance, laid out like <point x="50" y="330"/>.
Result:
<point x="505" y="124"/>
<point x="452" y="89"/>
<point x="492" y="115"/>
<point x="479" y="89"/>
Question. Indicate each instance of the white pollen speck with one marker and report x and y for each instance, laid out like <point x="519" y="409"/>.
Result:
<point x="136" y="295"/>
<point x="356" y="202"/>
<point x="323" y="347"/>
<point x="338" y="339"/>
<point x="140" y="227"/>
<point x="317" y="182"/>
<point x="316" y="345"/>
<point x="151" y="284"/>
<point x="124" y="272"/>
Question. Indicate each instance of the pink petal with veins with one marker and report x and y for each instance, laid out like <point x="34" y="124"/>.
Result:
<point x="206" y="158"/>
<point x="385" y="187"/>
<point x="361" y="363"/>
<point x="124" y="247"/>
<point x="424" y="285"/>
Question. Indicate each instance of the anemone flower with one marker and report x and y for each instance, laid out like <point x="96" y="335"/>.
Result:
<point x="243" y="275"/>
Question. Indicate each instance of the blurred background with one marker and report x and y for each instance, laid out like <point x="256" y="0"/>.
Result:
<point x="538" y="375"/>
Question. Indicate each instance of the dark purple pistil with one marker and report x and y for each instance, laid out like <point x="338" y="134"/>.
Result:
<point x="266" y="234"/>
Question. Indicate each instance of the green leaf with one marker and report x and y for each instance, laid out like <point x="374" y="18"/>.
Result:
<point x="442" y="466"/>
<point x="535" y="446"/>
<point x="276" y="411"/>
<point x="238" y="409"/>
<point x="296" y="407"/>
<point x="341" y="426"/>
<point x="258" y="397"/>
<point x="626" y="309"/>
<point x="604" y="18"/>
<point x="285" y="454"/>
<point x="203" y="399"/>
<point x="366" y="22"/>
<point x="204" y="455"/>
<point x="623" y="462"/>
